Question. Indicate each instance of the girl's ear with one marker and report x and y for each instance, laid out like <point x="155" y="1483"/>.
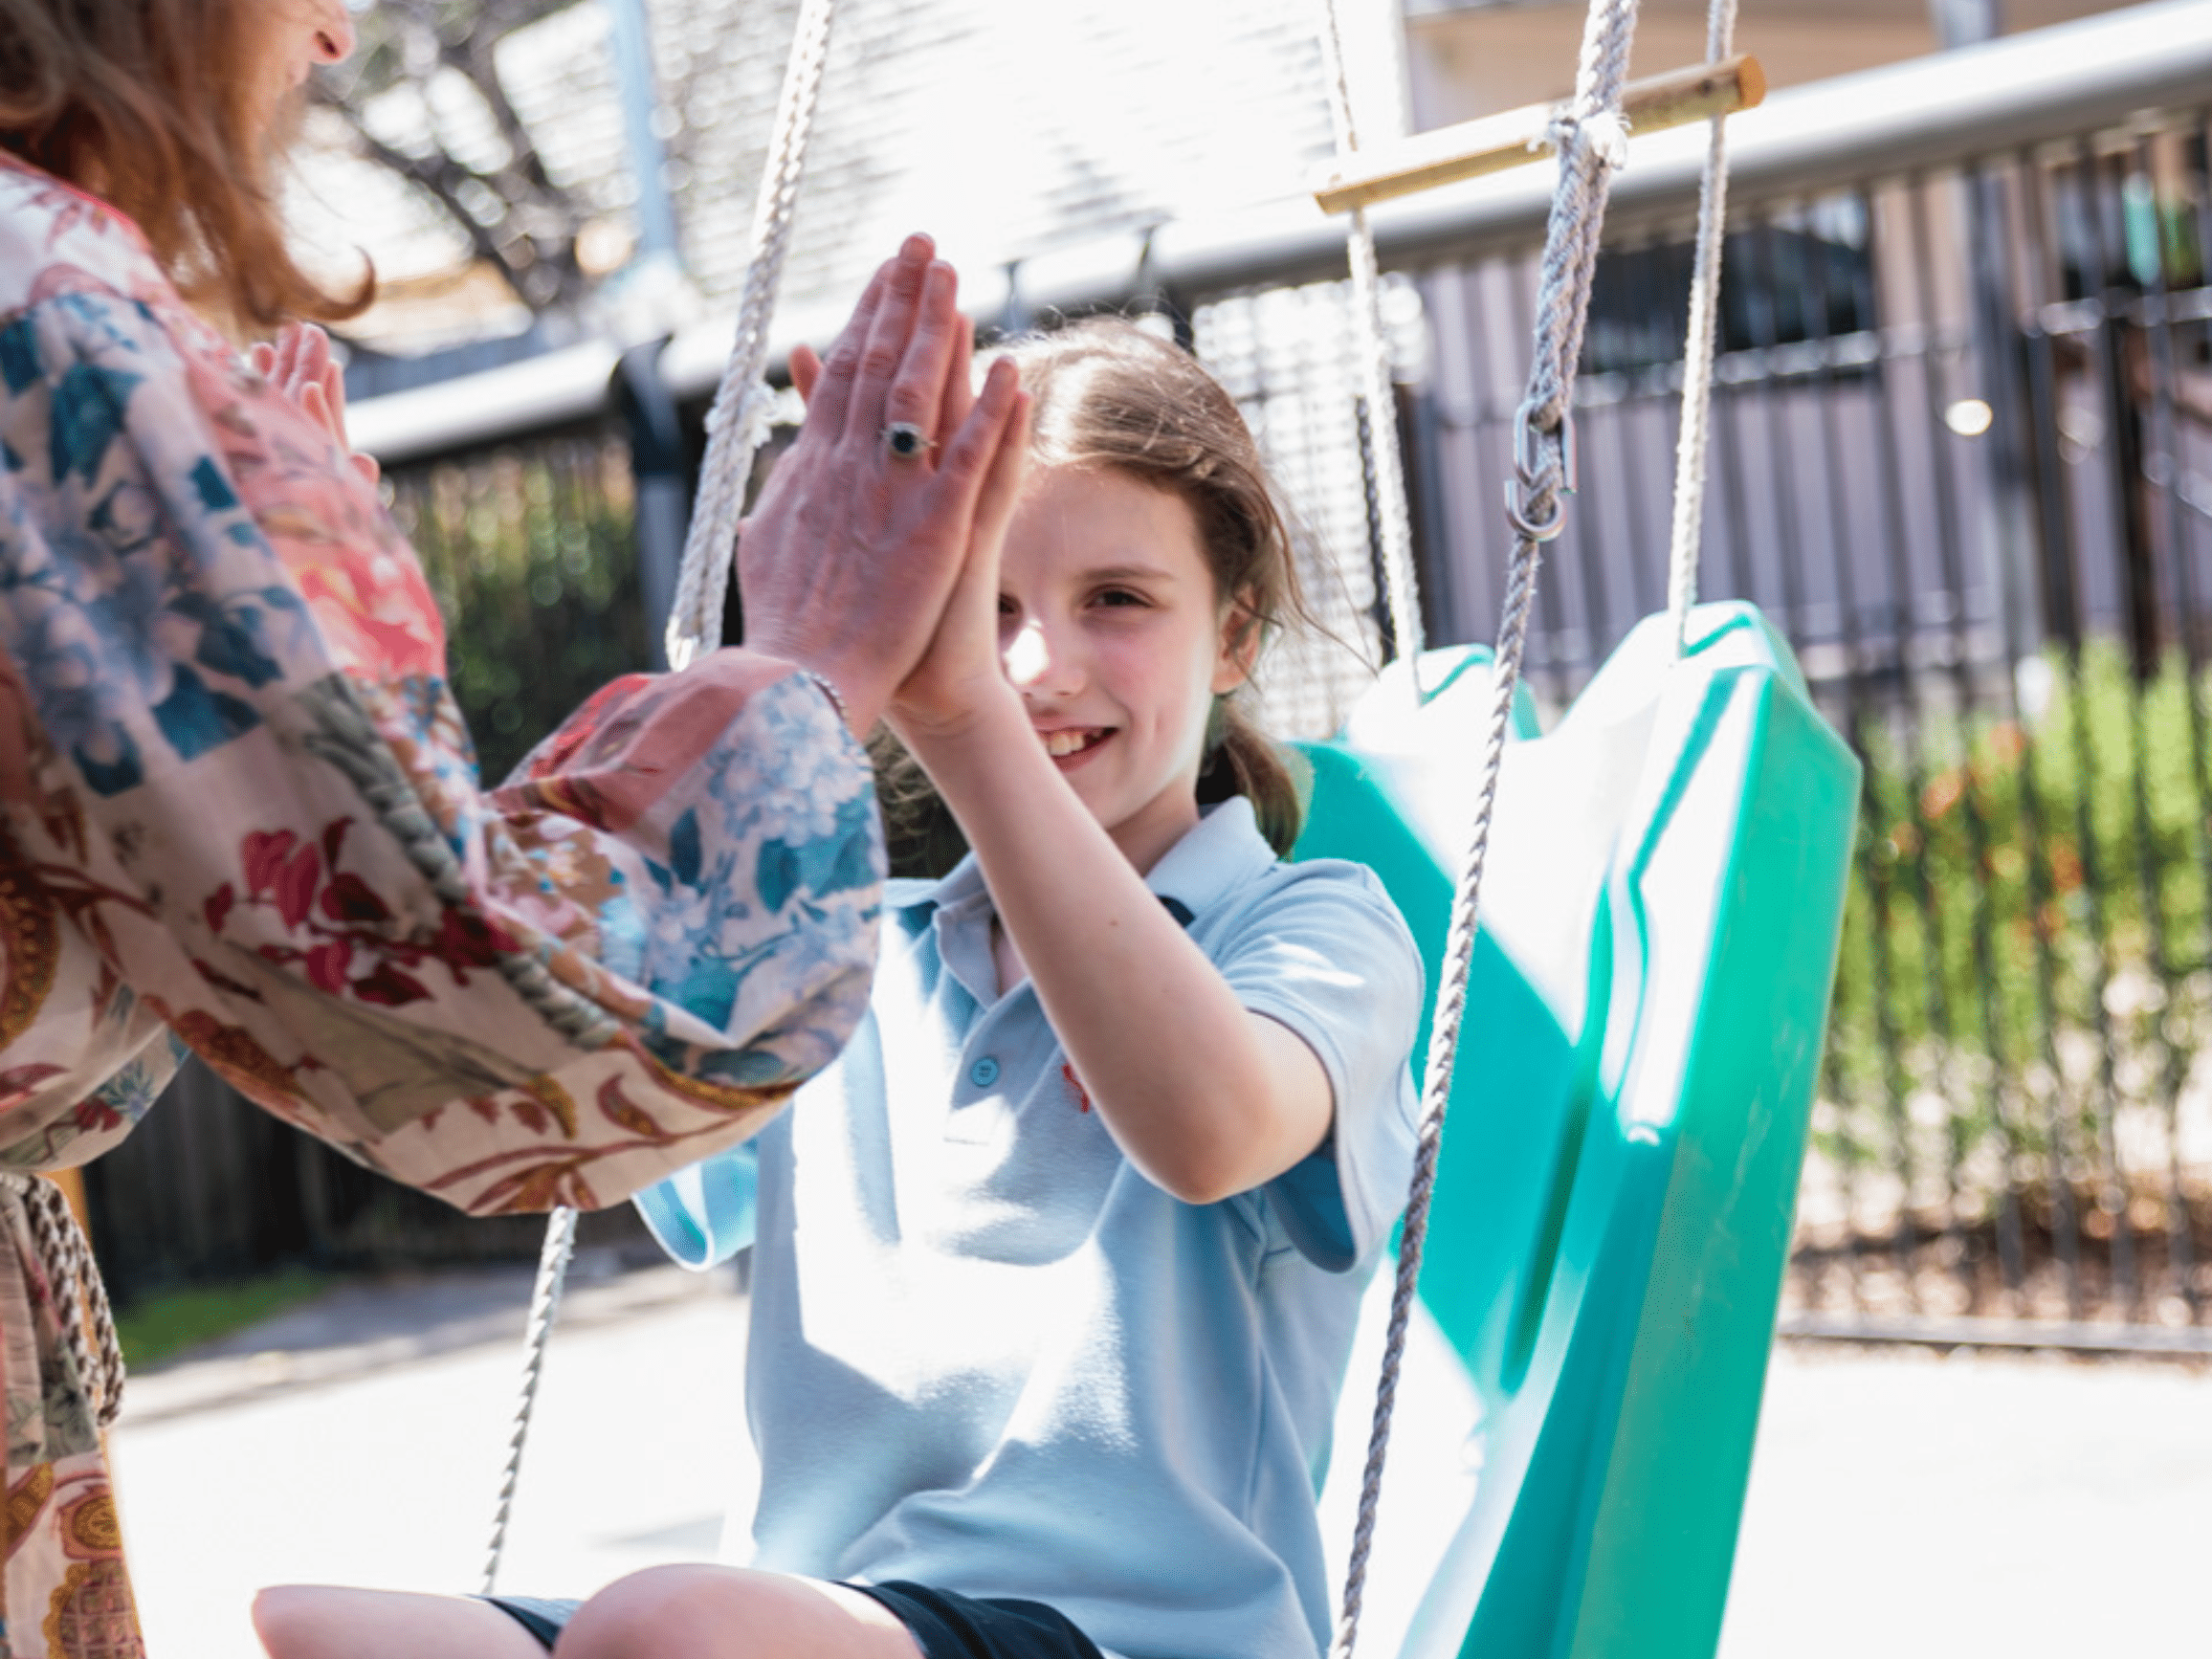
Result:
<point x="1241" y="635"/>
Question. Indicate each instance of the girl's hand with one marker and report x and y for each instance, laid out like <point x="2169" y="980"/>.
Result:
<point x="299" y="366"/>
<point x="846" y="564"/>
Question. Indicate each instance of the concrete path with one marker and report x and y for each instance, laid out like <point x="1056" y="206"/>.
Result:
<point x="1901" y="1503"/>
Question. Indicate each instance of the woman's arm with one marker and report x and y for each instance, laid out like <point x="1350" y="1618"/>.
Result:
<point x="1207" y="1097"/>
<point x="245" y="789"/>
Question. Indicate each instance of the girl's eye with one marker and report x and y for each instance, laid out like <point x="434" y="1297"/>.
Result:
<point x="1120" y="596"/>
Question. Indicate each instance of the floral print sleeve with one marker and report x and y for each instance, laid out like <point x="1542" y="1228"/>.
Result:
<point x="245" y="817"/>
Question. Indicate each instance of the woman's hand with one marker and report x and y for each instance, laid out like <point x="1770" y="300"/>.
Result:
<point x="961" y="671"/>
<point x="299" y="366"/>
<point x="846" y="564"/>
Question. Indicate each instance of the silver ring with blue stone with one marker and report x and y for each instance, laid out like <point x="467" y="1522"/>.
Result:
<point x="905" y="441"/>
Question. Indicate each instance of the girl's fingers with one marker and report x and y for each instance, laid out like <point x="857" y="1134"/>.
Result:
<point x="1002" y="487"/>
<point x="885" y="350"/>
<point x="970" y="452"/>
<point x="959" y="393"/>
<point x="805" y="373"/>
<point x="916" y="395"/>
<point x="333" y="394"/>
<point x="825" y="411"/>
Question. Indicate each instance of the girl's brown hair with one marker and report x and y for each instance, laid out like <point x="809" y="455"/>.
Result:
<point x="148" y="104"/>
<point x="1107" y="394"/>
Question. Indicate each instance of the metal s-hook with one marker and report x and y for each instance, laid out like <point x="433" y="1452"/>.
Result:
<point x="1530" y="467"/>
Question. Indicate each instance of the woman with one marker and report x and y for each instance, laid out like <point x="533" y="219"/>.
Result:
<point x="240" y="811"/>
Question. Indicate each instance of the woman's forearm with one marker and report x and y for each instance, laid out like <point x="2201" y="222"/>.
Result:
<point x="1207" y="1099"/>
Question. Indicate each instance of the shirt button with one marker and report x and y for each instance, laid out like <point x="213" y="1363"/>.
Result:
<point x="984" y="1073"/>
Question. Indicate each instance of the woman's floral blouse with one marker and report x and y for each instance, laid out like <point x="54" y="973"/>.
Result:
<point x="241" y="817"/>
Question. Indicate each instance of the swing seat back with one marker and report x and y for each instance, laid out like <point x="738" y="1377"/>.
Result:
<point x="1643" y="1026"/>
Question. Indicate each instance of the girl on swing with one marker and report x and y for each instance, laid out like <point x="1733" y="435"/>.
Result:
<point x="1056" y="1268"/>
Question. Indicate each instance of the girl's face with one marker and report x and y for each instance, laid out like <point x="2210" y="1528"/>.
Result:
<point x="291" y="38"/>
<point x="1111" y="629"/>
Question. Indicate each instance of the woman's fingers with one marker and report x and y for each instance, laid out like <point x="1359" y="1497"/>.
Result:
<point x="917" y="393"/>
<point x="805" y="372"/>
<point x="826" y="413"/>
<point x="885" y="350"/>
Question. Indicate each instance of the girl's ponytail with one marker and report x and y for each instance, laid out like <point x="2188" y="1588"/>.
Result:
<point x="1242" y="760"/>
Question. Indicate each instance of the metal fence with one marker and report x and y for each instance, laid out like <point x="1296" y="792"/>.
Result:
<point x="1963" y="426"/>
<point x="1962" y="458"/>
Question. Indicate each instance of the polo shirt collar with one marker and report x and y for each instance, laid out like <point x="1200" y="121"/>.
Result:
<point x="1218" y="854"/>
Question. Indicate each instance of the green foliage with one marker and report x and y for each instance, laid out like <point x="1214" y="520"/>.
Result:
<point x="2025" y="945"/>
<point x="160" y="1326"/>
<point x="530" y="553"/>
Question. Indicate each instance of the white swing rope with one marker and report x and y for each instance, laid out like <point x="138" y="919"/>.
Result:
<point x="1379" y="453"/>
<point x="80" y="1300"/>
<point x="1698" y="351"/>
<point x="1591" y="141"/>
<point x="737" y="424"/>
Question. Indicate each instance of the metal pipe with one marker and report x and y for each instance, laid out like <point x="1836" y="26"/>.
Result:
<point x="1927" y="114"/>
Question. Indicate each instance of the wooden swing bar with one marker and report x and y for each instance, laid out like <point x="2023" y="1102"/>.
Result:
<point x="1517" y="135"/>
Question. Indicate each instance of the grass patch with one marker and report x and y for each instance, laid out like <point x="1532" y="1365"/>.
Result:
<point x="163" y="1324"/>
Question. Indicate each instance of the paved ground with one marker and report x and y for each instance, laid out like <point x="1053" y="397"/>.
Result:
<point x="1901" y="1503"/>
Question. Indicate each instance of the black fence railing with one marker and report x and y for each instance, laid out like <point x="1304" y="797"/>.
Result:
<point x="1961" y="444"/>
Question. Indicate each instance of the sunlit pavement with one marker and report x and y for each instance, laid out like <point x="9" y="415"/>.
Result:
<point x="1901" y="1503"/>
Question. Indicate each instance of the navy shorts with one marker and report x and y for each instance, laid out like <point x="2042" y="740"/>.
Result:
<point x="944" y="1625"/>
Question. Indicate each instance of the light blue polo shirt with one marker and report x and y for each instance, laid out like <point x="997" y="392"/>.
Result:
<point x="990" y="1356"/>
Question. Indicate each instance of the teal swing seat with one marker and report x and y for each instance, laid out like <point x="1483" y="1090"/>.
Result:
<point x="1645" y="1013"/>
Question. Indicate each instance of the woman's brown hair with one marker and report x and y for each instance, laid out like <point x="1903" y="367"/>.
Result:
<point x="1107" y="394"/>
<point x="149" y="106"/>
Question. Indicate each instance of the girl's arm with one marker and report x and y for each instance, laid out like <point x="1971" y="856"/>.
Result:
<point x="1207" y="1097"/>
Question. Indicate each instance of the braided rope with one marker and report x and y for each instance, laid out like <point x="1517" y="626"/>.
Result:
<point x="1697" y="350"/>
<point x="545" y="1300"/>
<point x="1590" y="140"/>
<point x="1380" y="455"/>
<point x="738" y="423"/>
<point x="79" y="1297"/>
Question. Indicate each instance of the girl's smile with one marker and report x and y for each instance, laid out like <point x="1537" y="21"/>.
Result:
<point x="1070" y="747"/>
<point x="1111" y="629"/>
